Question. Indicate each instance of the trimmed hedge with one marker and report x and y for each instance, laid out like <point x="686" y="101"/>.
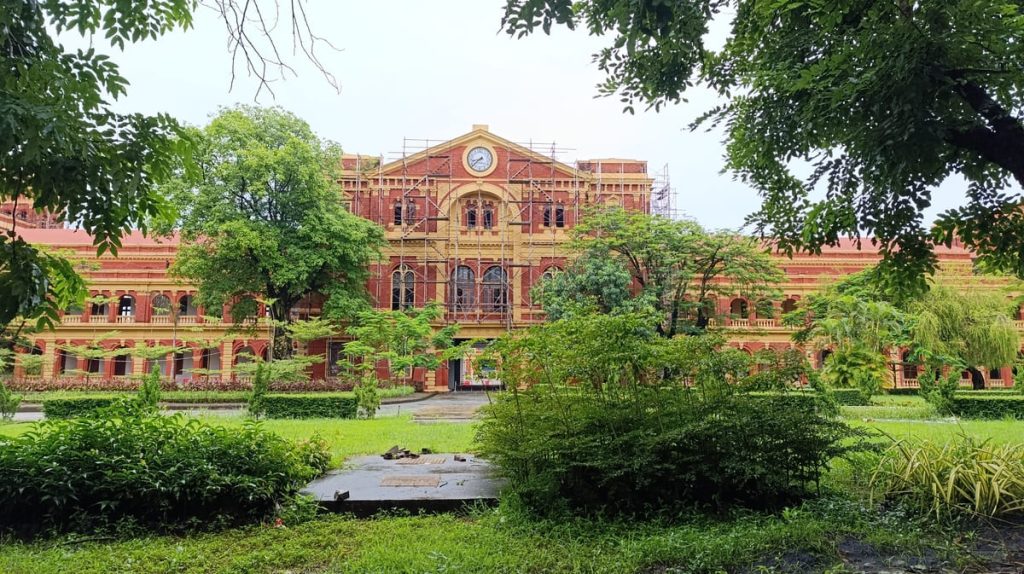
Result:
<point x="850" y="397"/>
<point x="976" y="406"/>
<point x="310" y="406"/>
<point x="75" y="407"/>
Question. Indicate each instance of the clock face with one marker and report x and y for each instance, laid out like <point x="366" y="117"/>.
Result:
<point x="479" y="159"/>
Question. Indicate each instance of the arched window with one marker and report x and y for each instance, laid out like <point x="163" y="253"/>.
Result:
<point x="210" y="360"/>
<point x="410" y="212"/>
<point x="910" y="370"/>
<point x="398" y="213"/>
<point x="488" y="216"/>
<point x="66" y="362"/>
<point x="739" y="308"/>
<point x="122" y="364"/>
<point x="99" y="308"/>
<point x="94" y="365"/>
<point x="549" y="273"/>
<point x="995" y="374"/>
<point x="823" y="356"/>
<point x="161" y="305"/>
<point x="547" y="216"/>
<point x="471" y="216"/>
<point x="463" y="292"/>
<point x="186" y="306"/>
<point x="245" y="355"/>
<point x="789" y="305"/>
<point x="402" y="288"/>
<point x="126" y="306"/>
<point x="494" y="289"/>
<point x="560" y="215"/>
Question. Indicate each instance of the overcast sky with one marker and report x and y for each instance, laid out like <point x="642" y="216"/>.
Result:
<point x="432" y="70"/>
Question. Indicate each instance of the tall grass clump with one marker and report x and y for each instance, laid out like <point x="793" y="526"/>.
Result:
<point x="961" y="476"/>
<point x="607" y="417"/>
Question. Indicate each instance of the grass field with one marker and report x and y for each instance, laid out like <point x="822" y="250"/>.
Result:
<point x="502" y="540"/>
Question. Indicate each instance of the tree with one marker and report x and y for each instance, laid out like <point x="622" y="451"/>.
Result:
<point x="400" y="341"/>
<point x="69" y="154"/>
<point x="884" y="101"/>
<point x="262" y="219"/>
<point x="677" y="266"/>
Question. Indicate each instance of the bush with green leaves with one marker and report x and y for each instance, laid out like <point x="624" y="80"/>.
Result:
<point x="8" y="402"/>
<point x="162" y="472"/>
<point x="310" y="406"/>
<point x="982" y="406"/>
<point x="149" y="390"/>
<point x="939" y="390"/>
<point x="605" y="416"/>
<point x="260" y="385"/>
<point x="72" y="407"/>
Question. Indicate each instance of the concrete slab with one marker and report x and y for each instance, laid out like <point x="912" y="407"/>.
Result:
<point x="439" y="483"/>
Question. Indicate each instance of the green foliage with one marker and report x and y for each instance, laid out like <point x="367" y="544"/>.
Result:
<point x="310" y="406"/>
<point x="257" y="406"/>
<point x="73" y="407"/>
<point x="678" y="266"/>
<point x="69" y="152"/>
<point x="169" y="473"/>
<point x="850" y="397"/>
<point x="8" y="402"/>
<point x="939" y="391"/>
<point x="856" y="368"/>
<point x="968" y="328"/>
<point x="958" y="477"/>
<point x="884" y="101"/>
<point x="778" y="370"/>
<point x="262" y="218"/>
<point x="981" y="406"/>
<point x="605" y="415"/>
<point x="367" y="396"/>
<point x="149" y="390"/>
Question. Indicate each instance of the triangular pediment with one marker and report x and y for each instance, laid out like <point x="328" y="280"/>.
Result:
<point x="511" y="161"/>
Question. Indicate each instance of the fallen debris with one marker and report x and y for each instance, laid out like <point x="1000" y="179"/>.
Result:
<point x="396" y="452"/>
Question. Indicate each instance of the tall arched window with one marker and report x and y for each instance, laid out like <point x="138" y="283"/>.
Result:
<point x="122" y="364"/>
<point x="402" y="288"/>
<point x="823" y="356"/>
<point x="740" y="309"/>
<point x="560" y="215"/>
<point x="161" y="306"/>
<point x="549" y="273"/>
<point x="126" y="306"/>
<point x="547" y="216"/>
<point x="99" y="308"/>
<point x="488" y="216"/>
<point x="471" y="215"/>
<point x="494" y="289"/>
<point x="789" y="305"/>
<point x="398" y="213"/>
<point x="410" y="212"/>
<point x="186" y="306"/>
<point x="463" y="292"/>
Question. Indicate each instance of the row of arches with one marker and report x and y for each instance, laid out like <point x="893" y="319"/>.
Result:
<point x="127" y="306"/>
<point x="492" y="291"/>
<point x="182" y="364"/>
<point x="741" y="308"/>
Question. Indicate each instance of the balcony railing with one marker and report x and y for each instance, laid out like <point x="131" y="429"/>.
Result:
<point x="71" y="319"/>
<point x="124" y="319"/>
<point x="99" y="319"/>
<point x="160" y="319"/>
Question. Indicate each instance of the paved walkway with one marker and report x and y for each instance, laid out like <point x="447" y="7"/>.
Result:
<point x="442" y="407"/>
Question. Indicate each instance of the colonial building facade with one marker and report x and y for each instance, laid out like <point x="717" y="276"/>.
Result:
<point x="472" y="223"/>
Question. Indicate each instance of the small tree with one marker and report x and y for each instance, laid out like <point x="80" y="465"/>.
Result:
<point x="402" y="341"/>
<point x="149" y="390"/>
<point x="8" y="402"/>
<point x="257" y="406"/>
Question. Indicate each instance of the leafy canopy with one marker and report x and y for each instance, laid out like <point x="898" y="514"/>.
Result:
<point x="882" y="100"/>
<point x="262" y="218"/>
<point x="66" y="152"/>
<point x="675" y="266"/>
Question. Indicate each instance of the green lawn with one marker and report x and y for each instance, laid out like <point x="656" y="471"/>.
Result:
<point x="500" y="540"/>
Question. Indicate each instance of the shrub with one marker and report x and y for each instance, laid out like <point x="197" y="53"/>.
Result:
<point x="960" y="476"/>
<point x="168" y="473"/>
<point x="75" y="406"/>
<point x="341" y="406"/>
<point x="980" y="406"/>
<point x="939" y="391"/>
<point x="8" y="402"/>
<point x="367" y="397"/>
<point x="149" y="391"/>
<point x="638" y="451"/>
<point x="850" y="397"/>
<point x="257" y="406"/>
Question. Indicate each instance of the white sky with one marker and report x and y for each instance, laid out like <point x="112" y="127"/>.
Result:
<point x="431" y="70"/>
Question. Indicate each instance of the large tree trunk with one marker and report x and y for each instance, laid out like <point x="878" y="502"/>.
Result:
<point x="281" y="343"/>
